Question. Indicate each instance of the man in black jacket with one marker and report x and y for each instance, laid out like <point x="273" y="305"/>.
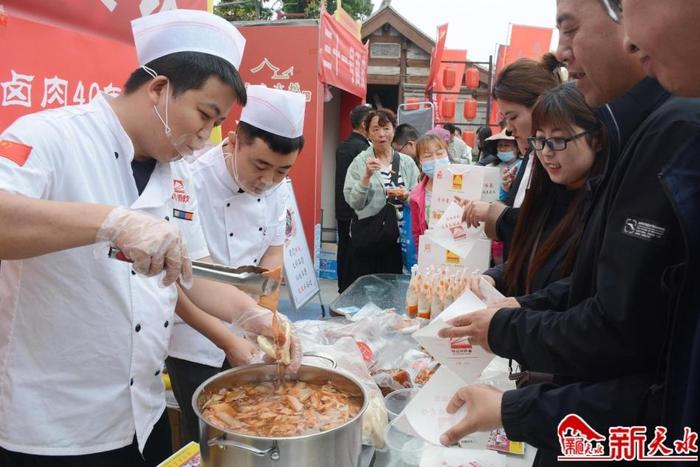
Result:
<point x="623" y="290"/>
<point x="344" y="154"/>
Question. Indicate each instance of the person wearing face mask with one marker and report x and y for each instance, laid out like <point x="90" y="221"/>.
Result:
<point x="87" y="333"/>
<point x="508" y="163"/>
<point x="243" y="214"/>
<point x="432" y="154"/>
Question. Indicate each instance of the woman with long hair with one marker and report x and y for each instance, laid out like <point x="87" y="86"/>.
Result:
<point x="516" y="90"/>
<point x="567" y="141"/>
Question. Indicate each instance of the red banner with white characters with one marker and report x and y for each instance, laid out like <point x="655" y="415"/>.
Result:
<point x="342" y="57"/>
<point x="63" y="52"/>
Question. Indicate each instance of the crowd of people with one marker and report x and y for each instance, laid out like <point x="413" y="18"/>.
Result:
<point x="598" y="213"/>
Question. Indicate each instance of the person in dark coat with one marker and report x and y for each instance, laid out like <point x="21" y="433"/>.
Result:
<point x="344" y="154"/>
<point x="630" y="273"/>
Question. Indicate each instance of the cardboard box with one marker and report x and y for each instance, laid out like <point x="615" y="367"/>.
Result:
<point x="432" y="254"/>
<point x="471" y="182"/>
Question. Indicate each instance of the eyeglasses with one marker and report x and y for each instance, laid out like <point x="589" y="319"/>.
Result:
<point x="614" y="9"/>
<point x="555" y="144"/>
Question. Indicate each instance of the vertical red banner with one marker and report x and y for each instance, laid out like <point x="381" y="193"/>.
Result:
<point x="342" y="57"/>
<point x="500" y="64"/>
<point x="436" y="59"/>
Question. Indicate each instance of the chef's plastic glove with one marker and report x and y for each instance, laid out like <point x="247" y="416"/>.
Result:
<point x="258" y="322"/>
<point x="153" y="244"/>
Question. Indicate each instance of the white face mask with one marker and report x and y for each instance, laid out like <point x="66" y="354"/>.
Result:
<point x="261" y="188"/>
<point x="179" y="143"/>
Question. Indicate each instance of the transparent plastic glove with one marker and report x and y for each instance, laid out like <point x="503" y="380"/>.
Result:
<point x="151" y="243"/>
<point x="240" y="351"/>
<point x="258" y="322"/>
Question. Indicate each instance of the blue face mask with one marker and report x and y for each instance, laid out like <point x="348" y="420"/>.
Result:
<point x="429" y="167"/>
<point x="506" y="156"/>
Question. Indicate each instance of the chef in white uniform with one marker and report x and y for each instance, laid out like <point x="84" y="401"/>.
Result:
<point x="243" y="204"/>
<point x="83" y="337"/>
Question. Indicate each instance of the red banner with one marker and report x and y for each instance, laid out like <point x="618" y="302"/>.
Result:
<point x="436" y="59"/>
<point x="528" y="42"/>
<point x="64" y="52"/>
<point x="342" y="57"/>
<point x="106" y="18"/>
<point x="500" y="64"/>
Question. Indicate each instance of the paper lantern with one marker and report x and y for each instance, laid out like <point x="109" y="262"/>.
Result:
<point x="449" y="76"/>
<point x="472" y="77"/>
<point x="412" y="103"/>
<point x="469" y="137"/>
<point x="470" y="108"/>
<point x="448" y="108"/>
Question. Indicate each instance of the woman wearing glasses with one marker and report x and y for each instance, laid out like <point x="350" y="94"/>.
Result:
<point x="517" y="88"/>
<point x="567" y="143"/>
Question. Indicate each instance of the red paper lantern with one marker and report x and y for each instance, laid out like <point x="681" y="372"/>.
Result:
<point x="469" y="137"/>
<point x="449" y="76"/>
<point x="412" y="103"/>
<point x="448" y="108"/>
<point x="470" y="108"/>
<point x="472" y="77"/>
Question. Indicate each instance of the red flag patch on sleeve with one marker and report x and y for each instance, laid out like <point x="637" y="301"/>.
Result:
<point x="16" y="152"/>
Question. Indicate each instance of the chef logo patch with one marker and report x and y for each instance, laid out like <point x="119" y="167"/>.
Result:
<point x="16" y="152"/>
<point x="184" y="215"/>
<point x="179" y="193"/>
<point x="643" y="230"/>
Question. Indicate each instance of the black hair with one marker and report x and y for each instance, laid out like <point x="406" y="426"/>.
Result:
<point x="405" y="133"/>
<point x="451" y="128"/>
<point x="189" y="70"/>
<point x="279" y="144"/>
<point x="483" y="132"/>
<point x="358" y="114"/>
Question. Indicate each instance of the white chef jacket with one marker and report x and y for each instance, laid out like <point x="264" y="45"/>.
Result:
<point x="239" y="228"/>
<point x="82" y="337"/>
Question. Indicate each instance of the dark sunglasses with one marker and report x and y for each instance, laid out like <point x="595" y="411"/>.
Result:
<point x="555" y="144"/>
<point x="614" y="9"/>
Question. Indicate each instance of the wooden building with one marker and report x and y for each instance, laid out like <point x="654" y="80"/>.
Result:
<point x="399" y="58"/>
<point x="399" y="64"/>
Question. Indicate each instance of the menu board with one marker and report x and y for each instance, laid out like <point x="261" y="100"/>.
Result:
<point x="299" y="272"/>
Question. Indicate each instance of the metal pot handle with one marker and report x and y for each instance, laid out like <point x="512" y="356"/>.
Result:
<point x="222" y="442"/>
<point x="332" y="361"/>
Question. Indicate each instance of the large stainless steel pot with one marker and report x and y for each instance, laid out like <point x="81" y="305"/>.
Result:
<point x="339" y="447"/>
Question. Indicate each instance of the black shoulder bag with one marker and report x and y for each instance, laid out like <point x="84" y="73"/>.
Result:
<point x="376" y="233"/>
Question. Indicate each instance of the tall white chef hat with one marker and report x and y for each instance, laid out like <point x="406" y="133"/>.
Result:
<point x="274" y="110"/>
<point x="186" y="31"/>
